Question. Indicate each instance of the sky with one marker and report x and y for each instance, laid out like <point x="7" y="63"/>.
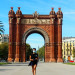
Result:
<point x="42" y="7"/>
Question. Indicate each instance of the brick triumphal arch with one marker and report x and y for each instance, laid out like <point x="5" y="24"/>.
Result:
<point x="22" y="25"/>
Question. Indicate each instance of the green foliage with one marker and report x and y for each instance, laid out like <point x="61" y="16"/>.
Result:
<point x="1" y="27"/>
<point x="41" y="52"/>
<point x="4" y="63"/>
<point x="28" y="51"/>
<point x="4" y="51"/>
<point x="70" y="63"/>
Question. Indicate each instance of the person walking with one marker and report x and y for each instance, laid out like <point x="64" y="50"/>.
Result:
<point x="33" y="61"/>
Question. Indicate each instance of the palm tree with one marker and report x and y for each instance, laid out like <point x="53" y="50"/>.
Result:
<point x="1" y="27"/>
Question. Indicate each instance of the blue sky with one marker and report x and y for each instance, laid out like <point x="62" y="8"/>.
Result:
<point x="42" y="7"/>
<point x="35" y="40"/>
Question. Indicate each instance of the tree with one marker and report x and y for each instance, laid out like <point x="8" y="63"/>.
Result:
<point x="4" y="51"/>
<point x="41" y="52"/>
<point x="28" y="51"/>
<point x="1" y="27"/>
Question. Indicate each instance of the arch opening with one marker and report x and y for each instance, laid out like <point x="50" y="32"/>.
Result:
<point x="38" y="31"/>
<point x="35" y="40"/>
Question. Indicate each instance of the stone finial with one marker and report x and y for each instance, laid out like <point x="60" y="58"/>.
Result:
<point x="59" y="9"/>
<point x="18" y="13"/>
<point x="52" y="11"/>
<point x="59" y="13"/>
<point x="11" y="12"/>
<point x="18" y="8"/>
<point x="11" y="8"/>
<point x="52" y="8"/>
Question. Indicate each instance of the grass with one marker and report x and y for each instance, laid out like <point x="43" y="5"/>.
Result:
<point x="4" y="63"/>
<point x="70" y="63"/>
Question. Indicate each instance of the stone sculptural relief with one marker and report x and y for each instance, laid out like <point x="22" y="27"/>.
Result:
<point x="35" y="21"/>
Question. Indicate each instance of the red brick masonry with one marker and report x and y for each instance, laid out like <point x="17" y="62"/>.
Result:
<point x="18" y="33"/>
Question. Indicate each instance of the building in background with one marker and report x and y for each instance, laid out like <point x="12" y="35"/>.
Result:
<point x="68" y="47"/>
<point x="4" y="38"/>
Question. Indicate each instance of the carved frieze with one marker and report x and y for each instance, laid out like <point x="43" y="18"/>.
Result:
<point x="35" y="21"/>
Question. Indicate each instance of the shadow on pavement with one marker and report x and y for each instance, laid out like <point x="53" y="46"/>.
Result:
<point x="5" y="69"/>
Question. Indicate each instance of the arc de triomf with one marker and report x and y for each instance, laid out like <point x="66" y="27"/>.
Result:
<point x="22" y="25"/>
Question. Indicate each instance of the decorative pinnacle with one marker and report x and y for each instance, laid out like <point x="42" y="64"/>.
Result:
<point x="11" y="8"/>
<point x="52" y="8"/>
<point x="59" y="8"/>
<point x="18" y="8"/>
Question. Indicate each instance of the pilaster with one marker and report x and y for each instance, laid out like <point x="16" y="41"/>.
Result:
<point x="59" y="22"/>
<point x="11" y="19"/>
<point x="18" y="22"/>
<point x="52" y="23"/>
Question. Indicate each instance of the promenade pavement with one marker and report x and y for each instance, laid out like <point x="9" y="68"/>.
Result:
<point x="42" y="69"/>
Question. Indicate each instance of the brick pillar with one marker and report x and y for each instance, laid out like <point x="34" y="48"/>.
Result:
<point x="11" y="22"/>
<point x="56" y="40"/>
<point x="24" y="52"/>
<point x="47" y="52"/>
<point x="14" y="39"/>
<point x="10" y="39"/>
<point x="18" y="42"/>
<point x="59" y="22"/>
<point x="17" y="57"/>
<point x="59" y="41"/>
<point x="52" y="59"/>
<point x="52" y="23"/>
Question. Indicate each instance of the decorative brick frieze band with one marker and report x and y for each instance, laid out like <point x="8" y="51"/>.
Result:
<point x="16" y="43"/>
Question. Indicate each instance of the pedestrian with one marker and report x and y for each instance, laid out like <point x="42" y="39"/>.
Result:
<point x="33" y="61"/>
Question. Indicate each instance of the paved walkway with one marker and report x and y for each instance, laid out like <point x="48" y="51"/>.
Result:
<point x="42" y="69"/>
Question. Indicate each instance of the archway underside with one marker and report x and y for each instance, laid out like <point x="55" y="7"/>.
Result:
<point x="36" y="30"/>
